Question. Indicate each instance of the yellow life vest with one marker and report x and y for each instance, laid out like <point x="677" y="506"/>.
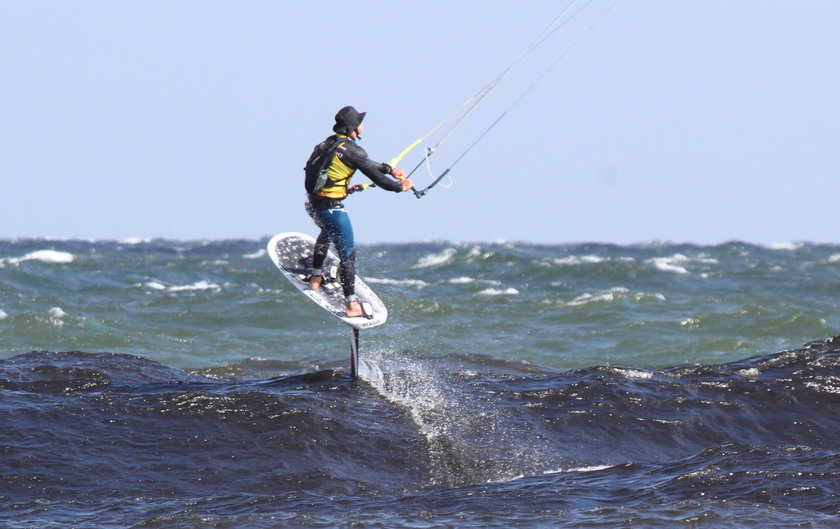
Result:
<point x="338" y="176"/>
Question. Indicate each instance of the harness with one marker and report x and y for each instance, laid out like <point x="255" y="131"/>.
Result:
<point x="338" y="174"/>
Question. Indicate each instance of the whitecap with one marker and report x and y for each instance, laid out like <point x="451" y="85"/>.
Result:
<point x="155" y="285"/>
<point x="477" y="252"/>
<point x="259" y="254"/>
<point x="45" y="256"/>
<point x="3" y="314"/>
<point x="608" y="295"/>
<point x="672" y="263"/>
<point x="614" y="294"/>
<point x="198" y="285"/>
<point x="593" y="468"/>
<point x="415" y="283"/>
<point x="784" y="246"/>
<point x="834" y="258"/>
<point x="436" y="259"/>
<point x="510" y="291"/>
<point x="461" y="280"/>
<point x="56" y="313"/>
<point x="633" y="373"/>
<point x="135" y="240"/>
<point x="668" y="264"/>
<point x="574" y="260"/>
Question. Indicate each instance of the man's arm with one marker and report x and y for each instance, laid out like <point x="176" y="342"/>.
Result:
<point x="376" y="171"/>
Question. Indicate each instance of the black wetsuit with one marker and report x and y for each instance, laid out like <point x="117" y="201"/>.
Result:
<point x="327" y="209"/>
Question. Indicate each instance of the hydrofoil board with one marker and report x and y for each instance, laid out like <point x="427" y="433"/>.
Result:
<point x="292" y="253"/>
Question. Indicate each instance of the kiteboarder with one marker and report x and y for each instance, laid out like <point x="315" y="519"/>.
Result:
<point x="326" y="195"/>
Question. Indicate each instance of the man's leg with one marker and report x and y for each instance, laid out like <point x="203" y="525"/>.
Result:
<point x="341" y="233"/>
<point x="319" y="255"/>
<point x="336" y="224"/>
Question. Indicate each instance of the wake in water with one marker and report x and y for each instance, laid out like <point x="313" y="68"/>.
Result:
<point x="470" y="437"/>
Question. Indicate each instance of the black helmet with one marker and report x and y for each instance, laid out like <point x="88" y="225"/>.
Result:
<point x="347" y="119"/>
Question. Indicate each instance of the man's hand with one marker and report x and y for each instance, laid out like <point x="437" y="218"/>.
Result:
<point x="398" y="173"/>
<point x="406" y="184"/>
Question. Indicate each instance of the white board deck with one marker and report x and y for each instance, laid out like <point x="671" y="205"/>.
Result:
<point x="292" y="253"/>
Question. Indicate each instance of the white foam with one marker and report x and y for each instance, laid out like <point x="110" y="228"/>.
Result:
<point x="56" y="313"/>
<point x="510" y="291"/>
<point x="414" y="283"/>
<point x="154" y="285"/>
<point x="608" y="295"/>
<point x="574" y="260"/>
<point x="613" y="294"/>
<point x="633" y="373"/>
<point x="784" y="246"/>
<point x="593" y="468"/>
<point x="461" y="280"/>
<point x="436" y="259"/>
<point x="135" y="240"/>
<point x="259" y="254"/>
<point x="45" y="256"/>
<point x="476" y="251"/>
<point x="834" y="258"/>
<point x="3" y="314"/>
<point x="668" y="264"/>
<point x="198" y="285"/>
<point x="673" y="262"/>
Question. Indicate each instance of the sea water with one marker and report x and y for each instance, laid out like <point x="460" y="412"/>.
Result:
<point x="158" y="384"/>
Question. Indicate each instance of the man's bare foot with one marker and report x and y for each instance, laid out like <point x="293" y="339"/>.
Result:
<point x="354" y="310"/>
<point x="315" y="282"/>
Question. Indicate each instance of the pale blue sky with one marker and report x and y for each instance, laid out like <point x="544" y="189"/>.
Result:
<point x="700" y="121"/>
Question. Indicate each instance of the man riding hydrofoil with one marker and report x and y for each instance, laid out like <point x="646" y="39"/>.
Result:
<point x="325" y="204"/>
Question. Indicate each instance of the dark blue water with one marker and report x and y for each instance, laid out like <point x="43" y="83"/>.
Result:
<point x="105" y="440"/>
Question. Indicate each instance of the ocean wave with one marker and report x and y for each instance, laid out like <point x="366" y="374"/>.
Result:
<point x="464" y="280"/>
<point x="510" y="291"/>
<point x="575" y="260"/>
<point x="784" y="246"/>
<point x="131" y="241"/>
<point x="413" y="283"/>
<point x="197" y="286"/>
<point x="594" y="468"/>
<point x="464" y="432"/>
<point x="44" y="256"/>
<point x="614" y="294"/>
<point x="632" y="373"/>
<point x="436" y="259"/>
<point x="676" y="263"/>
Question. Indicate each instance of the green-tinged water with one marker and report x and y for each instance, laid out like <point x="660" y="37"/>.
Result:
<point x="215" y="303"/>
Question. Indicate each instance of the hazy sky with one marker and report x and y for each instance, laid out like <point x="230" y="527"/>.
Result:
<point x="686" y="121"/>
